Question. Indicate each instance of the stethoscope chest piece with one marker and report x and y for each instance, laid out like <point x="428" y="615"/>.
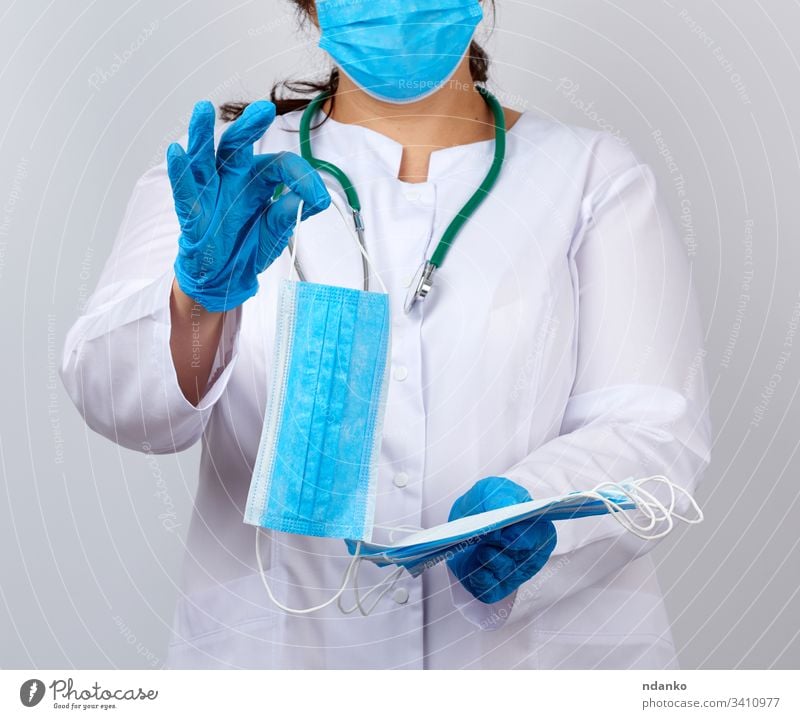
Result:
<point x="420" y="286"/>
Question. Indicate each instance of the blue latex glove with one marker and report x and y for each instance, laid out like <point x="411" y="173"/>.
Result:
<point x="501" y="561"/>
<point x="231" y="229"/>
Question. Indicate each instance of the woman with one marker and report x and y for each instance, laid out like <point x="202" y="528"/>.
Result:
<point x="559" y="347"/>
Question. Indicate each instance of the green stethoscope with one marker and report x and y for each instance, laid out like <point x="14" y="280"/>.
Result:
<point x="423" y="279"/>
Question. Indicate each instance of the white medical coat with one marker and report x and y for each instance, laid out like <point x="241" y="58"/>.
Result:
<point x="560" y="347"/>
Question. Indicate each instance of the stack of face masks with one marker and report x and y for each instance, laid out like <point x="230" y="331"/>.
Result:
<point x="425" y="548"/>
<point x="422" y="549"/>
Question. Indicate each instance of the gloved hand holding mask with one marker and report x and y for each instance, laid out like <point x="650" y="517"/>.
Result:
<point x="501" y="561"/>
<point x="231" y="228"/>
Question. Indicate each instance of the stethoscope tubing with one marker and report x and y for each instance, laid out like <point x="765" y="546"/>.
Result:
<point x="424" y="278"/>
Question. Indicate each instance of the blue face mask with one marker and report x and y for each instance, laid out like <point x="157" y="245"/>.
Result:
<point x="398" y="50"/>
<point x="316" y="469"/>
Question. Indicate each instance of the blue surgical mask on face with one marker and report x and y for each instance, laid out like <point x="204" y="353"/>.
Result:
<point x="398" y="50"/>
<point x="316" y="470"/>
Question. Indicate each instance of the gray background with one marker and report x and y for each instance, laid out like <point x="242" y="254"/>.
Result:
<point x="92" y="535"/>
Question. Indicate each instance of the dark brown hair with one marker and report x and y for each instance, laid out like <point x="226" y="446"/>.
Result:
<point x="284" y="94"/>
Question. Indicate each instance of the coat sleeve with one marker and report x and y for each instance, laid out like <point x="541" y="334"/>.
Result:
<point x="639" y="403"/>
<point x="117" y="366"/>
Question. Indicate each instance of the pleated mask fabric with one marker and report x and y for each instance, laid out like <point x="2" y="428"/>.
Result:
<point x="316" y="469"/>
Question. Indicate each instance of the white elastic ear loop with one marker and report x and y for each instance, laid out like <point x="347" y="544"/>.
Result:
<point x="653" y="508"/>
<point x="295" y="239"/>
<point x="358" y="244"/>
<point x="648" y="504"/>
<point x="289" y="610"/>
<point x="385" y="586"/>
<point x="619" y="514"/>
<point x="673" y="488"/>
<point x="659" y="511"/>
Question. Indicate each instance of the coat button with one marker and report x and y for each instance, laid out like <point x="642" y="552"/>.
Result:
<point x="400" y="479"/>
<point x="400" y="373"/>
<point x="400" y="595"/>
